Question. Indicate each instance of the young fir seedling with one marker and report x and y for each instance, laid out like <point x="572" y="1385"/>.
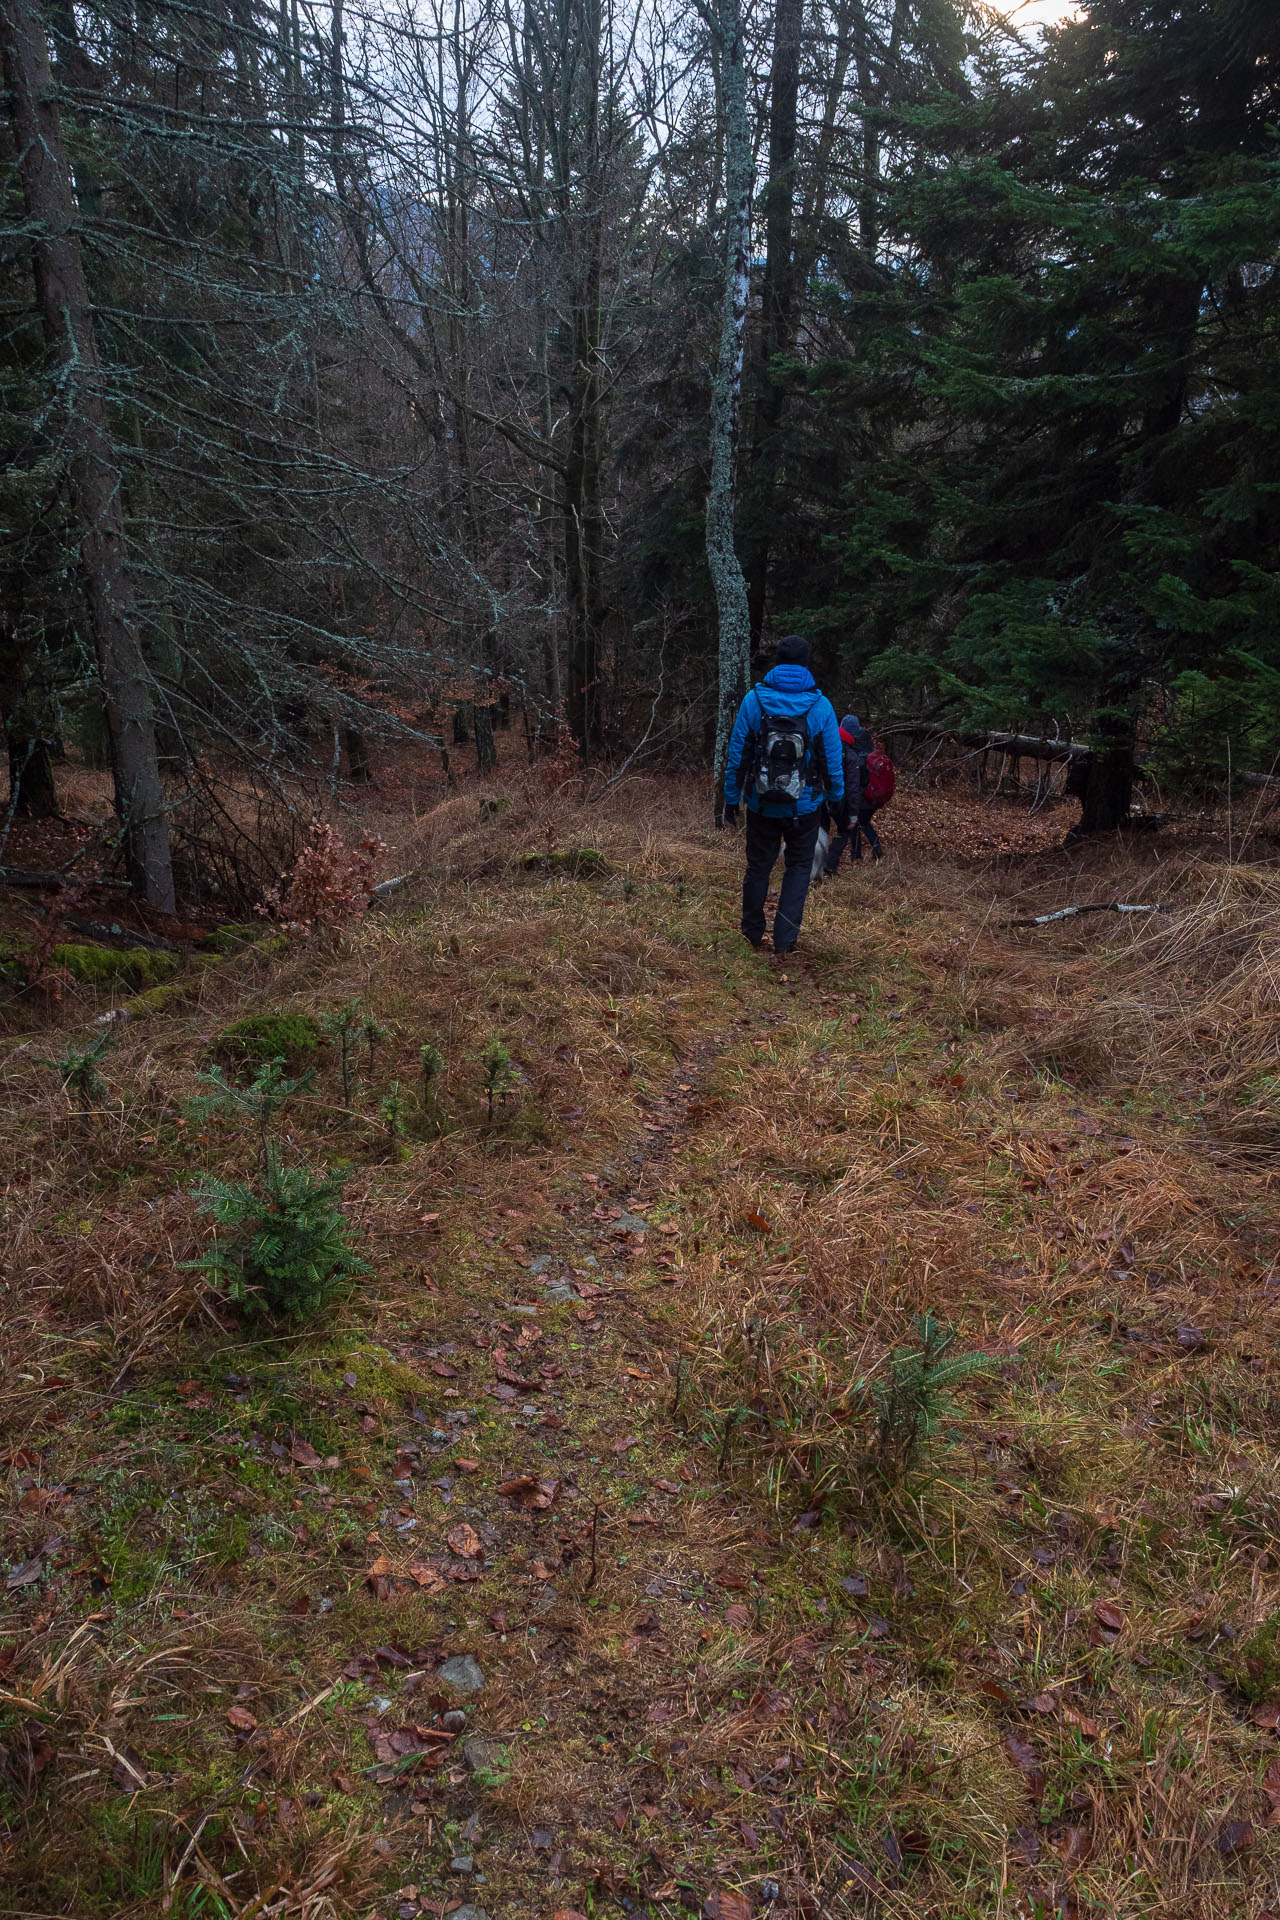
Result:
<point x="431" y="1060"/>
<point x="281" y="1246"/>
<point x="499" y="1074"/>
<point x="374" y="1035"/>
<point x="346" y="1027"/>
<point x="266" y="1096"/>
<point x="392" y="1109"/>
<point x="78" y="1070"/>
<point x="915" y="1397"/>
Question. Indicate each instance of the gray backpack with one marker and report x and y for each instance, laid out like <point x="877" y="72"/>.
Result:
<point x="783" y="758"/>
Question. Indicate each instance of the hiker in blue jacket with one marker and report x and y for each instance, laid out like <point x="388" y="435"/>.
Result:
<point x="785" y="761"/>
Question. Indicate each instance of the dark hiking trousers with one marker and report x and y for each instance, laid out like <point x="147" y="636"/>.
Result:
<point x="764" y="839"/>
<point x="853" y="839"/>
<point x="860" y="826"/>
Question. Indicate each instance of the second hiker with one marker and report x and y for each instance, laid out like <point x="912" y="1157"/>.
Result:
<point x="785" y="761"/>
<point x="868" y="785"/>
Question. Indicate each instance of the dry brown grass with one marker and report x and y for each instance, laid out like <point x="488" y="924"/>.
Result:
<point x="951" y="1732"/>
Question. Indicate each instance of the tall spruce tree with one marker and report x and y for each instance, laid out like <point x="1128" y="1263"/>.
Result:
<point x="1072" y="521"/>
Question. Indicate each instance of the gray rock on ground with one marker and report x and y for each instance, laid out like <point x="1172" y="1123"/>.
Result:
<point x="485" y="1756"/>
<point x="462" y="1673"/>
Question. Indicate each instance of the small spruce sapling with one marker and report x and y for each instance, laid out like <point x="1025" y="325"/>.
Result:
<point x="266" y="1096"/>
<point x="499" y="1074"/>
<point x="346" y="1027"/>
<point x="281" y="1246"/>
<point x="431" y="1060"/>
<point x="374" y="1035"/>
<point x="392" y="1109"/>
<point x="78" y="1070"/>
<point x="916" y="1394"/>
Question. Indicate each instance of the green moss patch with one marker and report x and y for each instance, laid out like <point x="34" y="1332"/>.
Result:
<point x="133" y="967"/>
<point x="294" y="1038"/>
<point x="232" y="938"/>
<point x="15" y="958"/>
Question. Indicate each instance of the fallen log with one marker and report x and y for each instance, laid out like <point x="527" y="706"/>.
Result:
<point x="54" y="882"/>
<point x="1024" y="746"/>
<point x="385" y="888"/>
<point x="1099" y="906"/>
<point x="118" y="936"/>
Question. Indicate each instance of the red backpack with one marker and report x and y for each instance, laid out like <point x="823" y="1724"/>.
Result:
<point x="878" y="779"/>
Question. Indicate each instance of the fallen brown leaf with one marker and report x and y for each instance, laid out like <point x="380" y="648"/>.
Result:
<point x="1027" y="1761"/>
<point x="726" y="1904"/>
<point x="241" y="1720"/>
<point x="1089" y="1728"/>
<point x="464" y="1540"/>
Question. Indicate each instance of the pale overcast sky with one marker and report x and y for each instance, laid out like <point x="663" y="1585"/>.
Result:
<point x="1034" y="13"/>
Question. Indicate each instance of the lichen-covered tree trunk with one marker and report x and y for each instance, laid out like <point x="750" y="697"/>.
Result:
<point x="726" y="391"/>
<point x="67" y="318"/>
<point x="776" y="297"/>
<point x="583" y="503"/>
<point x="583" y="519"/>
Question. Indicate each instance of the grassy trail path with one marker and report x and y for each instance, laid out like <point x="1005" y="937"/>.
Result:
<point x="557" y="1571"/>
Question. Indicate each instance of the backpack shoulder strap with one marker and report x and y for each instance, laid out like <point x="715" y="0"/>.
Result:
<point x="817" y="745"/>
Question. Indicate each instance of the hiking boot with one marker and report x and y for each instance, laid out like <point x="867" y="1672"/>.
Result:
<point x="780" y="953"/>
<point x="876" y="856"/>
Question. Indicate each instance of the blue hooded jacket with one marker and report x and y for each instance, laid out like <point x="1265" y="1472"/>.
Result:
<point x="787" y="693"/>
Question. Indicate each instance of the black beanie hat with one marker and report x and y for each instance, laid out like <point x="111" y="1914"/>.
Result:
<point x="793" y="650"/>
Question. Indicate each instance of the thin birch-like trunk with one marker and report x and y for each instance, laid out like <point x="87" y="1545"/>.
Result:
<point x="777" y="299"/>
<point x="62" y="296"/>
<point x="726" y="391"/>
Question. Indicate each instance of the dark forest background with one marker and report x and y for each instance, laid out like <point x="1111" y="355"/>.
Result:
<point x="358" y="367"/>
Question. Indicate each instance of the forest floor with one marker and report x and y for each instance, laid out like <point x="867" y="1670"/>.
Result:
<point x="591" y="1457"/>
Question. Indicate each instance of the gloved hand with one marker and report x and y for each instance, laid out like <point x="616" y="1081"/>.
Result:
<point x="842" y="813"/>
<point x="730" y="816"/>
